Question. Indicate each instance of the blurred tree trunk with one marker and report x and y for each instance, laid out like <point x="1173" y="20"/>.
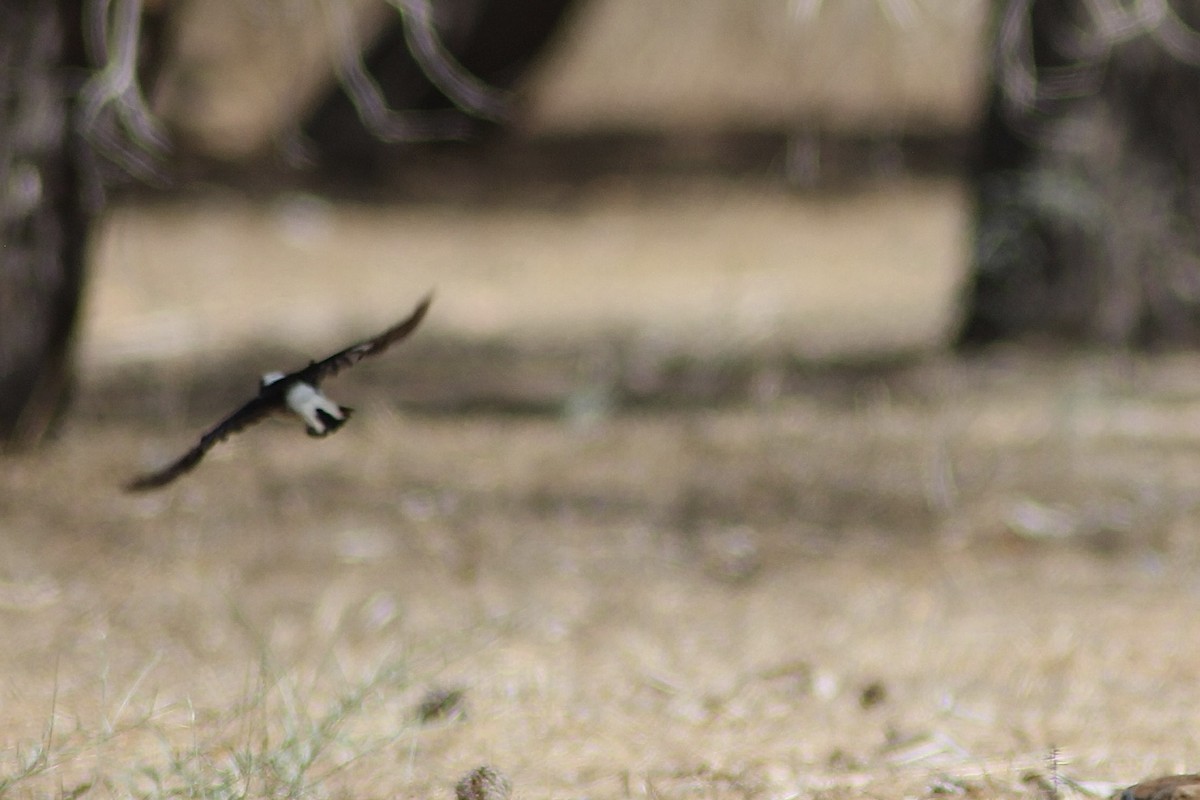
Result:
<point x="43" y="215"/>
<point x="1087" y="177"/>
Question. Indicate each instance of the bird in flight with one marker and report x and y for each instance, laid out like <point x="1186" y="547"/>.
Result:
<point x="298" y="392"/>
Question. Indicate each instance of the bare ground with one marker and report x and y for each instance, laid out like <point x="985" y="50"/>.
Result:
<point x="681" y="490"/>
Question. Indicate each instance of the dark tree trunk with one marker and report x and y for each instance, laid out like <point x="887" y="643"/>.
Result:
<point x="1087" y="179"/>
<point x="44" y="219"/>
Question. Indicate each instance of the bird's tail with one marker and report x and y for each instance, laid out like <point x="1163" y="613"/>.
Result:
<point x="330" y="422"/>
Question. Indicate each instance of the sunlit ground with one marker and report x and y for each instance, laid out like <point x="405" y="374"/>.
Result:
<point x="681" y="490"/>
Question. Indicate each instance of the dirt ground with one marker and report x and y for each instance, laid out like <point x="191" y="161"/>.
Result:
<point x="679" y="488"/>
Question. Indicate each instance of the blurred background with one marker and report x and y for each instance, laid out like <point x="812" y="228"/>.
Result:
<point x="790" y="162"/>
<point x="685" y="487"/>
<point x="239" y="75"/>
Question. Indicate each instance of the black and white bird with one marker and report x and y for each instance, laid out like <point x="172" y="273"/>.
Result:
<point x="298" y="392"/>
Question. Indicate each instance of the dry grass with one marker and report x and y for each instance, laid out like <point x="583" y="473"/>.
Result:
<point x="756" y="578"/>
<point x="701" y="269"/>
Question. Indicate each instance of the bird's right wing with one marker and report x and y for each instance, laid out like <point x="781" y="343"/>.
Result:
<point x="314" y="372"/>
<point x="247" y="415"/>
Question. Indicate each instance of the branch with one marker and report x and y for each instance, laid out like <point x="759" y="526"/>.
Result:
<point x="368" y="100"/>
<point x="113" y="113"/>
<point x="441" y="68"/>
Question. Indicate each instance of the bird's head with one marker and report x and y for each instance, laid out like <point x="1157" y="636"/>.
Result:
<point x="269" y="378"/>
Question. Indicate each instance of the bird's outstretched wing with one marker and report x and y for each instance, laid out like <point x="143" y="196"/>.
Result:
<point x="318" y="370"/>
<point x="247" y="415"/>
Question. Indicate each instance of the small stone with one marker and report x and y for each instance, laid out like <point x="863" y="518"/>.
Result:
<point x="873" y="694"/>
<point x="1169" y="787"/>
<point x="442" y="703"/>
<point x="483" y="783"/>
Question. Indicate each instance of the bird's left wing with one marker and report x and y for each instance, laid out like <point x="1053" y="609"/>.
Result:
<point x="245" y="416"/>
<point x="314" y="372"/>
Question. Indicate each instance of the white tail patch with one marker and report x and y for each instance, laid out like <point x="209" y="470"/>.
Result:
<point x="319" y="413"/>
